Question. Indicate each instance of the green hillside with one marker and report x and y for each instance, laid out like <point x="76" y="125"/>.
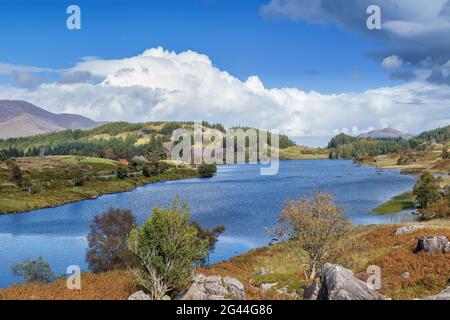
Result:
<point x="346" y="147"/>
<point x="118" y="140"/>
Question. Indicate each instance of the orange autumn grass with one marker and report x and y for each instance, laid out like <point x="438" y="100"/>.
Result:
<point x="113" y="285"/>
<point x="429" y="273"/>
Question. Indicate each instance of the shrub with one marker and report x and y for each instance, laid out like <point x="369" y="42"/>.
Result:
<point x="108" y="248"/>
<point x="122" y="172"/>
<point x="207" y="170"/>
<point x="28" y="186"/>
<point x="154" y="168"/>
<point x="33" y="271"/>
<point x="316" y="225"/>
<point x="16" y="173"/>
<point x="167" y="249"/>
<point x="147" y="171"/>
<point x="170" y="127"/>
<point x="426" y="190"/>
<point x="437" y="210"/>
<point x="406" y="159"/>
<point x="445" y="153"/>
<point x="78" y="175"/>
<point x="161" y="167"/>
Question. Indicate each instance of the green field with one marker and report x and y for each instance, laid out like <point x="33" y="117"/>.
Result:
<point x="53" y="178"/>
<point x="404" y="201"/>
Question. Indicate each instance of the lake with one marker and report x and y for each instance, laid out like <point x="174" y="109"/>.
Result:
<point x="238" y="198"/>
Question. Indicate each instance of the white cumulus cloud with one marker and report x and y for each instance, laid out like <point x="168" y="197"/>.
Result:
<point x="164" y="85"/>
<point x="392" y="62"/>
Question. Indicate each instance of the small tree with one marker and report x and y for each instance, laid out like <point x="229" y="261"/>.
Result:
<point x="154" y="168"/>
<point x="445" y="153"/>
<point x="207" y="170"/>
<point x="108" y="247"/>
<point x="78" y="175"/>
<point x="147" y="171"/>
<point x="426" y="190"/>
<point x="33" y="271"/>
<point x="122" y="172"/>
<point x="167" y="249"/>
<point x="315" y="225"/>
<point x="16" y="173"/>
<point x="28" y="186"/>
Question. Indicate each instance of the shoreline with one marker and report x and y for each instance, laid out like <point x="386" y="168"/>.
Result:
<point x="237" y="255"/>
<point x="286" y="272"/>
<point x="129" y="189"/>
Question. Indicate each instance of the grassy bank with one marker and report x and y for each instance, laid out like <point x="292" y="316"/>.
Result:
<point x="404" y="201"/>
<point x="374" y="245"/>
<point x="53" y="178"/>
<point x="425" y="161"/>
<point x="302" y="153"/>
<point x="429" y="161"/>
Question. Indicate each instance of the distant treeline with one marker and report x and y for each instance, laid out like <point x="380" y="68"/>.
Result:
<point x="346" y="147"/>
<point x="111" y="146"/>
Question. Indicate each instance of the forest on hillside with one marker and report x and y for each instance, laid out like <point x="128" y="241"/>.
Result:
<point x="118" y="140"/>
<point x="344" y="146"/>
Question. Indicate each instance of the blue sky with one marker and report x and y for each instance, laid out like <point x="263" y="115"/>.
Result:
<point x="232" y="33"/>
<point x="309" y="68"/>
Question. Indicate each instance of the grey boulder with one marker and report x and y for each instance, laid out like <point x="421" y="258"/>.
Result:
<point x="213" y="288"/>
<point x="339" y="283"/>
<point x="139" y="295"/>
<point x="409" y="229"/>
<point x="444" y="295"/>
<point x="433" y="245"/>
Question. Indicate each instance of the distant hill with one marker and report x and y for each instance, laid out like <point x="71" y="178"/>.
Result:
<point x="344" y="146"/>
<point x="386" y="133"/>
<point x="21" y="119"/>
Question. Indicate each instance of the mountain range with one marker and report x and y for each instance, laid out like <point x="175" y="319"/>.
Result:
<point x="21" y="119"/>
<point x="386" y="133"/>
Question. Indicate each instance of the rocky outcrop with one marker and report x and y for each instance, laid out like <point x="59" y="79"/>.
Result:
<point x="339" y="283"/>
<point x="213" y="288"/>
<point x="262" y="272"/>
<point x="140" y="295"/>
<point x="433" y="245"/>
<point x="444" y="295"/>
<point x="409" y="229"/>
<point x="234" y="287"/>
<point x="268" y="286"/>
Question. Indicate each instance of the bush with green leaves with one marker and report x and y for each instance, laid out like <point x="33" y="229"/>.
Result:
<point x="16" y="172"/>
<point x="167" y="249"/>
<point x="445" y="153"/>
<point x="122" y="172"/>
<point x="108" y="240"/>
<point x="207" y="170"/>
<point x="427" y="190"/>
<point x="28" y="186"/>
<point x="154" y="168"/>
<point x="78" y="175"/>
<point x="33" y="271"/>
<point x="315" y="224"/>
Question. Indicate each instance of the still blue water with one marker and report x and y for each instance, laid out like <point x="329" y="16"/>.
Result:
<point x="238" y="197"/>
